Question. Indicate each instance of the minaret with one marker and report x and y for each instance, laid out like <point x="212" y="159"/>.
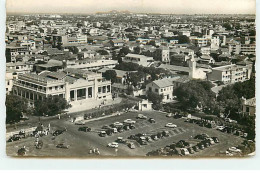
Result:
<point x="192" y="66"/>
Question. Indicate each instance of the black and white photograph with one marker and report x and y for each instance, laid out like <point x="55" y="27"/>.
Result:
<point x="130" y="79"/>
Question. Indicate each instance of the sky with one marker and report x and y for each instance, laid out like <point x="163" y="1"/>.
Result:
<point x="137" y="6"/>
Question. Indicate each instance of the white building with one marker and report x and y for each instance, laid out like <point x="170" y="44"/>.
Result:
<point x="138" y="59"/>
<point x="72" y="84"/>
<point x="163" y="87"/>
<point x="231" y="73"/>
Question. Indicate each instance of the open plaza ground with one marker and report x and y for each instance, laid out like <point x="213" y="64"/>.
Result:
<point x="80" y="142"/>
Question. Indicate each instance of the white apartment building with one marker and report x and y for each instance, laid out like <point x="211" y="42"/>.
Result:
<point x="138" y="59"/>
<point x="231" y="73"/>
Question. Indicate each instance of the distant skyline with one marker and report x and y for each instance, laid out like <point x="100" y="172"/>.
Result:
<point x="135" y="6"/>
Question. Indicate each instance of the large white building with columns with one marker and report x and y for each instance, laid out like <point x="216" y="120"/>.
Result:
<point x="71" y="84"/>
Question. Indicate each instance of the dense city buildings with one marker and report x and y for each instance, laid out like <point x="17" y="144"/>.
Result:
<point x="112" y="83"/>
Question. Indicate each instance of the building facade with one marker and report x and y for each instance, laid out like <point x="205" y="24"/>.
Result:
<point x="71" y="84"/>
<point x="231" y="73"/>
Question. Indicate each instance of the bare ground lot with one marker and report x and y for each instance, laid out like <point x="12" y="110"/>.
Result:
<point x="81" y="142"/>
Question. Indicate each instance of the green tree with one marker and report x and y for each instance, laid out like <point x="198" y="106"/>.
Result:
<point x="51" y="105"/>
<point x="135" y="78"/>
<point x="193" y="94"/>
<point x="227" y="26"/>
<point x="15" y="106"/>
<point x="110" y="75"/>
<point x="183" y="39"/>
<point x="155" y="98"/>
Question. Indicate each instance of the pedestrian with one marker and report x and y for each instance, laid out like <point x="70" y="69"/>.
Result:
<point x="90" y="151"/>
<point x="94" y="150"/>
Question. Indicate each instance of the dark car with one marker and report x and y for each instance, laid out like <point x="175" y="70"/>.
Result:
<point x="126" y="127"/>
<point x="216" y="140"/>
<point x="206" y="144"/>
<point x="62" y="146"/>
<point x="159" y="135"/>
<point x="84" y="129"/>
<point x="131" y="126"/>
<point x="191" y="151"/>
<point x="182" y="144"/>
<point x="105" y="127"/>
<point x="165" y="133"/>
<point x="151" y="120"/>
<point x="172" y="146"/>
<point x="14" y="138"/>
<point x="142" y="142"/>
<point x="201" y="136"/>
<point x="58" y="132"/>
<point x="201" y="146"/>
<point x="195" y="148"/>
<point x="120" y="129"/>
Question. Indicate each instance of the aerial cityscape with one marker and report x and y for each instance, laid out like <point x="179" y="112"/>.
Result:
<point x="125" y="84"/>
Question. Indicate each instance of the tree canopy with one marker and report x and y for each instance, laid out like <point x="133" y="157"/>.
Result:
<point x="110" y="75"/>
<point x="50" y="106"/>
<point x="15" y="106"/>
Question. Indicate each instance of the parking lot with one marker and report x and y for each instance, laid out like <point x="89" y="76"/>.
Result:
<point x="81" y="142"/>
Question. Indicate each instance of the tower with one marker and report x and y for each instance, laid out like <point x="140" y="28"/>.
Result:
<point x="192" y="66"/>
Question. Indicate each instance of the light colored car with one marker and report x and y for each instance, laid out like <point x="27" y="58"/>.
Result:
<point x="171" y="125"/>
<point x="184" y="151"/>
<point x="113" y="145"/>
<point x="131" y="145"/>
<point x="234" y="150"/>
<point x="220" y="128"/>
<point x="118" y="124"/>
<point x="80" y="123"/>
<point x="129" y="121"/>
<point x="141" y="116"/>
<point x="169" y="115"/>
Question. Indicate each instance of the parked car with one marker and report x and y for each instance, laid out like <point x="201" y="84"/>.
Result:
<point x="220" y="128"/>
<point x="234" y="150"/>
<point x="113" y="145"/>
<point x="58" y="132"/>
<point x="80" y="123"/>
<point x="84" y="129"/>
<point x="129" y="121"/>
<point x="131" y="145"/>
<point x="151" y="120"/>
<point x="165" y="133"/>
<point x="201" y="146"/>
<point x="171" y="125"/>
<point x="131" y="126"/>
<point x="191" y="151"/>
<point x="195" y="148"/>
<point x="201" y="136"/>
<point x="117" y="124"/>
<point x="216" y="140"/>
<point x="14" y="138"/>
<point x="105" y="127"/>
<point x="103" y="134"/>
<point x="169" y="115"/>
<point x="154" y="137"/>
<point x="184" y="151"/>
<point x="210" y="140"/>
<point x="141" y="116"/>
<point x="120" y="129"/>
<point x="149" y="139"/>
<point x="182" y="144"/>
<point x="62" y="146"/>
